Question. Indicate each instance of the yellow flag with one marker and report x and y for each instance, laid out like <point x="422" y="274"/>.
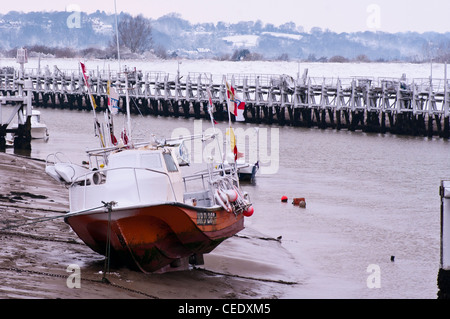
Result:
<point x="230" y="133"/>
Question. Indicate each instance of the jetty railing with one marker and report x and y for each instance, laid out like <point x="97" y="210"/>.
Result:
<point x="397" y="105"/>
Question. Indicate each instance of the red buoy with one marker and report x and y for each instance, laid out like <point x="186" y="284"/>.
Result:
<point x="249" y="211"/>
<point x="284" y="199"/>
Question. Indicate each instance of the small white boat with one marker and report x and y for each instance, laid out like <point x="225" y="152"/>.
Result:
<point x="246" y="172"/>
<point x="39" y="130"/>
<point x="63" y="170"/>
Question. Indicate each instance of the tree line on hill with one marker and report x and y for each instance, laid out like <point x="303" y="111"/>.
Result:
<point x="170" y="37"/>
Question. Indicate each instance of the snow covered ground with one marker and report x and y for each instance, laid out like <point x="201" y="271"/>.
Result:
<point x="219" y="68"/>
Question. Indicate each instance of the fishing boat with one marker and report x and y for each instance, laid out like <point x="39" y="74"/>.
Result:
<point x="133" y="205"/>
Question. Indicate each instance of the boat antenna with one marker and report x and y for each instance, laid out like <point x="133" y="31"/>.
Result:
<point x="210" y="106"/>
<point x="126" y="74"/>
<point x="128" y="106"/>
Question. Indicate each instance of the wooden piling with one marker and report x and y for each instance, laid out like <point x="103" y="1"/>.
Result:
<point x="3" y="137"/>
<point x="446" y="130"/>
<point x="443" y="280"/>
<point x="22" y="137"/>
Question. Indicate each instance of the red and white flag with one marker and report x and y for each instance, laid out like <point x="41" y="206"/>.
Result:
<point x="210" y="106"/>
<point x="86" y="78"/>
<point x="235" y="105"/>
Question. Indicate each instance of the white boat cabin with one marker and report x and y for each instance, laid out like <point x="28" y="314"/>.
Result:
<point x="133" y="177"/>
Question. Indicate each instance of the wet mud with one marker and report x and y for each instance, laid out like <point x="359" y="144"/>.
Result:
<point x="37" y="251"/>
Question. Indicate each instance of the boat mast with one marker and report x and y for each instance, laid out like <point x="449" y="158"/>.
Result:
<point x="117" y="35"/>
<point x="126" y="75"/>
<point x="227" y="147"/>
<point x="128" y="106"/>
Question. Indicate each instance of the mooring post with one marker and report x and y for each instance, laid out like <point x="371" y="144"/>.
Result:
<point x="2" y="137"/>
<point x="444" y="271"/>
<point x="446" y="133"/>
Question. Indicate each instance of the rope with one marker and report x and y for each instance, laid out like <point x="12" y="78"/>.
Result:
<point x="41" y="238"/>
<point x="278" y="239"/>
<point x="289" y="283"/>
<point x="48" y="274"/>
<point x="108" y="206"/>
<point x="44" y="219"/>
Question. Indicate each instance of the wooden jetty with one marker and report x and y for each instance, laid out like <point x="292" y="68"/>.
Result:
<point x="21" y="98"/>
<point x="418" y="107"/>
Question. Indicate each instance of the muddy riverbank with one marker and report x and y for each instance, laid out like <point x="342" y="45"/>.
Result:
<point x="37" y="248"/>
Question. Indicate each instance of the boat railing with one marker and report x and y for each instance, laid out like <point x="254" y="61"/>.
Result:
<point x="99" y="178"/>
<point x="54" y="158"/>
<point x="203" y="175"/>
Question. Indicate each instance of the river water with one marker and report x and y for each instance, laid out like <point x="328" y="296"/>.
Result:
<point x="369" y="198"/>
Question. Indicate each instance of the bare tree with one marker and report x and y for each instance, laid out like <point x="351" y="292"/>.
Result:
<point x="135" y="33"/>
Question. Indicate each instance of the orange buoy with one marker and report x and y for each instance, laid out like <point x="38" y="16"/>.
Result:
<point x="299" y="202"/>
<point x="249" y="211"/>
<point x="284" y="199"/>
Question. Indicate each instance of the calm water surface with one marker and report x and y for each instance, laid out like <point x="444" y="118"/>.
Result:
<point x="368" y="196"/>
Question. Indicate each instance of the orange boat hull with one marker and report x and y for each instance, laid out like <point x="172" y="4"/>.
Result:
<point x="153" y="237"/>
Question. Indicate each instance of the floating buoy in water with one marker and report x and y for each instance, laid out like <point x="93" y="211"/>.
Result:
<point x="299" y="202"/>
<point x="284" y="199"/>
<point x="249" y="211"/>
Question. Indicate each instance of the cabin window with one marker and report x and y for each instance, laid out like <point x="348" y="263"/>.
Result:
<point x="170" y="163"/>
<point x="152" y="161"/>
<point x="122" y="161"/>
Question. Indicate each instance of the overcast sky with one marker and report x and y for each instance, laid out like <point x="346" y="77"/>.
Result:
<point x="336" y="15"/>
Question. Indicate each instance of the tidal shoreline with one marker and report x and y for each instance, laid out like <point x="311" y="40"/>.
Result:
<point x="38" y="248"/>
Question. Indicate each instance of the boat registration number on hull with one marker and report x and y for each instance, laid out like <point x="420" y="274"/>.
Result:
<point x="206" y="218"/>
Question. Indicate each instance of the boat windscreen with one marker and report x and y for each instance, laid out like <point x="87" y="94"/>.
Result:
<point x="152" y="161"/>
<point x="170" y="163"/>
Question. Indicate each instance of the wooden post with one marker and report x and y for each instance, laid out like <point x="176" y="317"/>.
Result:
<point x="446" y="106"/>
<point x="444" y="270"/>
<point x="22" y="139"/>
<point x="2" y="137"/>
